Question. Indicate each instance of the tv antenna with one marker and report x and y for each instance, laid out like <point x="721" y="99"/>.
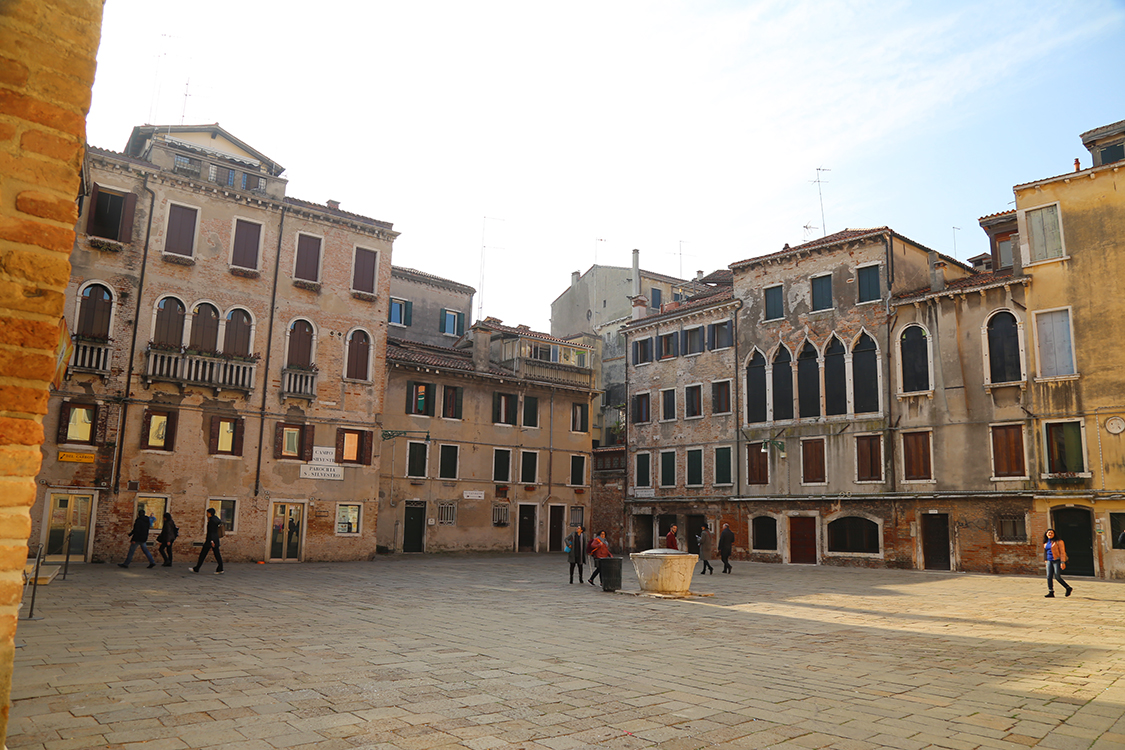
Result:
<point x="809" y="228"/>
<point x="596" y="241"/>
<point x="183" y="112"/>
<point x="820" y="193"/>
<point x="955" y="231"/>
<point x="483" y="247"/>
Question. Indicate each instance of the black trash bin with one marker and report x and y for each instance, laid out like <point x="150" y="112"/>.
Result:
<point x="611" y="573"/>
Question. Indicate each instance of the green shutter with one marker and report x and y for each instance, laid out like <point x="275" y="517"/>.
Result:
<point x="441" y="321"/>
<point x="407" y="312"/>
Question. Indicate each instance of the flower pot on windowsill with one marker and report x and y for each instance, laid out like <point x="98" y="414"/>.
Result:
<point x="529" y="487"/>
<point x="580" y="491"/>
<point x="501" y="488"/>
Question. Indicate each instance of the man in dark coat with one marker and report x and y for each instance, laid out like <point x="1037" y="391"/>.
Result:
<point x="211" y="544"/>
<point x="577" y="555"/>
<point x="726" y="543"/>
<point x="139" y="538"/>
<point x="670" y="540"/>
<point x="705" y="551"/>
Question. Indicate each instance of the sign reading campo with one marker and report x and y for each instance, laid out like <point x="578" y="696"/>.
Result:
<point x="323" y="465"/>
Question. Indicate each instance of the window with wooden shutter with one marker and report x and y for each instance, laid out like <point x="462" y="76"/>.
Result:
<point x="720" y="397"/>
<point x="642" y="408"/>
<point x="1007" y="451"/>
<point x="808" y="381"/>
<point x="865" y="376"/>
<point x="822" y="293"/>
<point x="416" y="455"/>
<point x="300" y="345"/>
<point x="695" y="467"/>
<point x="111" y="214"/>
<point x="363" y="275"/>
<point x="158" y="430"/>
<point x="169" y="332"/>
<point x="693" y="401"/>
<point x="501" y="465"/>
<point x="867" y="288"/>
<point x="579" y="418"/>
<point x="668" y="404"/>
<point x="307" y="265"/>
<point x="756" y="389"/>
<point x="835" y="379"/>
<point x="764" y="532"/>
<point x="642" y="477"/>
<point x="307" y="436"/>
<point x="1044" y="233"/>
<point x="225" y="436"/>
<point x="451" y="404"/>
<point x="504" y="408"/>
<point x="181" y="230"/>
<point x="204" y="329"/>
<point x="359" y="350"/>
<point x="869" y="458"/>
<point x="77" y="423"/>
<point x="447" y="461"/>
<point x="1065" y="451"/>
<point x="914" y="352"/>
<point x="757" y="464"/>
<point x="247" y="239"/>
<point x="236" y="340"/>
<point x="782" y="384"/>
<point x="529" y="467"/>
<point x="350" y="446"/>
<point x="290" y="440"/>
<point x="530" y="411"/>
<point x="94" y="312"/>
<point x="723" y="473"/>
<point x="813" y="469"/>
<point x="1004" y="364"/>
<point x="774" y="303"/>
<point x="668" y="469"/>
<point x="577" y="471"/>
<point x="916" y="456"/>
<point x="1056" y="355"/>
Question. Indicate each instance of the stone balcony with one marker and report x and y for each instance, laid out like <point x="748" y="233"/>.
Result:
<point x="90" y="356"/>
<point x="297" y="383"/>
<point x="555" y="372"/>
<point x="206" y="370"/>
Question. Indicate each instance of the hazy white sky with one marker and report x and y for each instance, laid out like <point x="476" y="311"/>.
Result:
<point x="689" y="130"/>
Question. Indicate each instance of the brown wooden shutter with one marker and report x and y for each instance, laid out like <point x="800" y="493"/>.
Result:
<point x="813" y="461"/>
<point x="170" y="432"/>
<point x="366" y="447"/>
<point x="169" y="322"/>
<point x="213" y="434"/>
<point x="92" y="211"/>
<point x="869" y="460"/>
<point x="128" y="211"/>
<point x="916" y="455"/>
<point x="246" y="236"/>
<point x="181" y="230"/>
<point x="363" y="277"/>
<point x="237" y="337"/>
<point x="278" y="439"/>
<point x="239" y="431"/>
<point x="1007" y="450"/>
<point x="300" y="344"/>
<point x="308" y="258"/>
<point x="146" y="423"/>
<point x="307" y="435"/>
<point x="339" y="445"/>
<point x="410" y="384"/>
<point x="64" y="423"/>
<point x="358" y="348"/>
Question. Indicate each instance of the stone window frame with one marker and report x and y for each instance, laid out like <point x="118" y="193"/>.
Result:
<point x="826" y="521"/>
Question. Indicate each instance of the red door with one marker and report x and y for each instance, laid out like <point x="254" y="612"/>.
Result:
<point x="802" y="540"/>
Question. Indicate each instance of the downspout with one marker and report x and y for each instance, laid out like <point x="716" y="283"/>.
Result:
<point x="737" y="408"/>
<point x="269" y="350"/>
<point x="888" y="461"/>
<point x="550" y="471"/>
<point x="118" y="455"/>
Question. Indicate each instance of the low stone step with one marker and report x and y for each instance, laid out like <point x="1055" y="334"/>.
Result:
<point x="47" y="573"/>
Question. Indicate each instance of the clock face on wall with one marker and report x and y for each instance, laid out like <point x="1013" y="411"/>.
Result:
<point x="1115" y="425"/>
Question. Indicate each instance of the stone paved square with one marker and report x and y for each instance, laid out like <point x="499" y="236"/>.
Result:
<point x="484" y="652"/>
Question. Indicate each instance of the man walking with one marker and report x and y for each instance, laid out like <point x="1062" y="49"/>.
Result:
<point x="726" y="543"/>
<point x="215" y="531"/>
<point x="139" y="538"/>
<point x="577" y="554"/>
<point x="705" y="551"/>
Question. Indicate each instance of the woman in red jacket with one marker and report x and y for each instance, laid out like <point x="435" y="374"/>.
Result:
<point x="1055" y="552"/>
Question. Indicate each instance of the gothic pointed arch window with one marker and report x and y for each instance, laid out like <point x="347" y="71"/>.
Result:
<point x="808" y="381"/>
<point x="756" y="389"/>
<point x="782" y="375"/>
<point x="169" y="328"/>
<point x="914" y="351"/>
<point x="1004" y="365"/>
<point x="865" y="375"/>
<point x="835" y="378"/>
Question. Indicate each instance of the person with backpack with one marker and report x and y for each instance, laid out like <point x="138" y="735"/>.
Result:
<point x="215" y="531"/>
<point x="167" y="535"/>
<point x="139" y="538"/>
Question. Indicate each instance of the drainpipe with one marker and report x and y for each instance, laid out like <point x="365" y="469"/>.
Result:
<point x="118" y="455"/>
<point x="269" y="350"/>
<point x="888" y="441"/>
<point x="736" y="407"/>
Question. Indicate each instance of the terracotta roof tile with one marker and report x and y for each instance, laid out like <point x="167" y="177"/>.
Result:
<point x="832" y="239"/>
<point x="695" y="303"/>
<point x="338" y="212"/>
<point x="975" y="281"/>
<point x="427" y="355"/>
<point x="495" y="325"/>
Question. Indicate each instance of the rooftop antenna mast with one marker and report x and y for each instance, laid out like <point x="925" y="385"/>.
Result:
<point x="819" y="182"/>
<point x="156" y="81"/>
<point x="681" y="259"/>
<point x="483" y="247"/>
<point x="183" y="112"/>
<point x="596" y="250"/>
<point x="955" y="231"/>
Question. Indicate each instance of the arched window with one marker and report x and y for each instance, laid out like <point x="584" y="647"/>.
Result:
<point x="300" y="344"/>
<point x="835" y="378"/>
<point x="756" y="389"/>
<point x="782" y="384"/>
<point x="853" y="534"/>
<point x="764" y="531"/>
<point x="169" y="329"/>
<point x="808" y="381"/>
<point x="204" y="329"/>
<point x="865" y="376"/>
<point x="94" y="312"/>
<point x="915" y="354"/>
<point x="236" y="340"/>
<point x="1004" y="349"/>
<point x="359" y="345"/>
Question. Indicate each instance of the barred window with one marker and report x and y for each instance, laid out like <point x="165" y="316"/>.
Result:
<point x="1011" y="528"/>
<point x="500" y="514"/>
<point x="447" y="514"/>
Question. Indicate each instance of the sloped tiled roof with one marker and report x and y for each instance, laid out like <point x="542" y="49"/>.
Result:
<point x="403" y="272"/>
<point x="338" y="212"/>
<point x="493" y="324"/>
<point x="721" y="276"/>
<point x="846" y="235"/>
<point x="1092" y="135"/>
<point x="998" y="215"/>
<point x="699" y="302"/>
<point x="981" y="280"/>
<point x="428" y="355"/>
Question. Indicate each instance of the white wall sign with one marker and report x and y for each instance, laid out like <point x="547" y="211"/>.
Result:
<point x="320" y="471"/>
<point x="323" y="456"/>
<point x="473" y="494"/>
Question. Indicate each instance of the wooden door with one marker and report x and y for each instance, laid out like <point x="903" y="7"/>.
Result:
<point x="802" y="540"/>
<point x="935" y="541"/>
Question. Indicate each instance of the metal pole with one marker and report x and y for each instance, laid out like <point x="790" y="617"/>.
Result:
<point x="66" y="560"/>
<point x="35" y="584"/>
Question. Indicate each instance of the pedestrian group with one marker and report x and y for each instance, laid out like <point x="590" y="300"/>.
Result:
<point x="138" y="538"/>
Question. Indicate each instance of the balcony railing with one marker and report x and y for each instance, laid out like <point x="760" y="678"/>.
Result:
<point x="556" y="372"/>
<point x="199" y="369"/>
<point x="298" y="383"/>
<point x="91" y="357"/>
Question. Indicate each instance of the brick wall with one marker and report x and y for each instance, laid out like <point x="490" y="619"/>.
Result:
<point x="47" y="52"/>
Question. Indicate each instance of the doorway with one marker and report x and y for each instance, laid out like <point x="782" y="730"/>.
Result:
<point x="695" y="525"/>
<point x="802" y="540"/>
<point x="935" y="541"/>
<point x="287" y="532"/>
<point x="1074" y="527"/>
<point x="556" y="524"/>
<point x="414" y="526"/>
<point x="642" y="532"/>
<point x="525" y="541"/>
<point x="70" y="512"/>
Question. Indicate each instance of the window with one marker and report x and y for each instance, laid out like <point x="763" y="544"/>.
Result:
<point x="656" y="297"/>
<point x="1112" y="154"/>
<point x="580" y="359"/>
<point x="869" y="458"/>
<point x="757" y="464"/>
<point x="225" y="436"/>
<point x="916" y="456"/>
<point x="504" y="408"/>
<point x="501" y="465"/>
<point x="359" y="354"/>
<point x="756" y="389"/>
<point x="354" y="446"/>
<point x="1007" y="451"/>
<point x="822" y="293"/>
<point x="247" y="244"/>
<point x="225" y="512"/>
<point x="500" y="514"/>
<point x="300" y="345"/>
<point x="416" y="459"/>
<point x="782" y="384"/>
<point x="813" y="469"/>
<point x="668" y="405"/>
<point x="307" y="265"/>
<point x="775" y="307"/>
<point x="292" y="440"/>
<point x="723" y="474"/>
<point x="577" y="515"/>
<point x="835" y="379"/>
<point x="693" y="401"/>
<point x="808" y="381"/>
<point x="76" y="423"/>
<point x="720" y="397"/>
<point x="642" y="477"/>
<point x="1011" y="527"/>
<point x="253" y="182"/>
<point x="529" y="467"/>
<point x="94" y="313"/>
<point x="667" y="346"/>
<point x="1065" y="449"/>
<point x="204" y="338"/>
<point x="577" y="471"/>
<point x="667" y="468"/>
<point x="867" y="284"/>
<point x="693" y="340"/>
<point x="221" y="175"/>
<point x="763" y="530"/>
<point x="642" y="351"/>
<point x="1003" y="256"/>
<point x="451" y="322"/>
<point x="451" y="401"/>
<point x="865" y="375"/>
<point x="236" y="340"/>
<point x="1044" y="233"/>
<point x="695" y="467"/>
<point x="158" y="430"/>
<point x="154" y="507"/>
<point x="447" y="461"/>
<point x="111" y="214"/>
<point x="530" y="411"/>
<point x="1117" y="530"/>
<point x="447" y="514"/>
<point x="545" y="352"/>
<point x="579" y="417"/>
<point x="347" y="518"/>
<point x="853" y="534"/>
<point x="180" y="239"/>
<point x="168" y="332"/>
<point x="187" y="165"/>
<point x="1056" y="356"/>
<point x="420" y="398"/>
<point x="720" y="335"/>
<point x="363" y="273"/>
<point x="401" y="312"/>
<point x="915" y="355"/>
<point x="1004" y="365"/>
<point x="642" y="411"/>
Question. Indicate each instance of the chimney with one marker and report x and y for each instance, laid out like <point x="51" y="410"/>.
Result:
<point x="636" y="273"/>
<point x="482" y="339"/>
<point x="937" y="272"/>
<point x="574" y="276"/>
<point x="334" y="205"/>
<point x="1017" y="256"/>
<point x="640" y="306"/>
<point x="1077" y="166"/>
<point x="699" y="275"/>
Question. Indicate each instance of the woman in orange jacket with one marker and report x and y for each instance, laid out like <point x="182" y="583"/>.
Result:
<point x="1055" y="552"/>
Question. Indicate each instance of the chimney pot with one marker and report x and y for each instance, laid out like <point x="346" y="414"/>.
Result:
<point x="1077" y="166"/>
<point x="334" y="205"/>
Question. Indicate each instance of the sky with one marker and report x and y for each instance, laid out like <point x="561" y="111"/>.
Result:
<point x="535" y="139"/>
